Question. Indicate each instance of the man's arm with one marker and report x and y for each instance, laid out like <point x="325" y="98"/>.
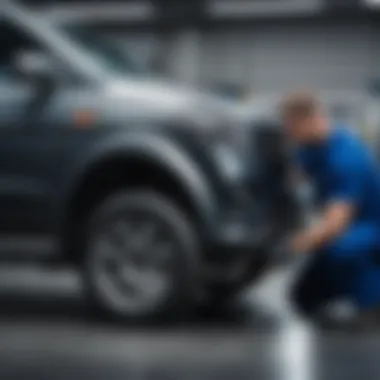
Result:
<point x="335" y="219"/>
<point x="345" y="194"/>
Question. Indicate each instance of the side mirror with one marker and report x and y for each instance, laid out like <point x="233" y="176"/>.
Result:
<point x="34" y="65"/>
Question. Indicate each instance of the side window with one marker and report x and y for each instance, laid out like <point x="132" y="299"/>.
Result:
<point x="12" y="41"/>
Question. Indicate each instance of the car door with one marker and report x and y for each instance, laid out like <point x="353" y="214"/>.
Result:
<point x="30" y="146"/>
<point x="17" y="188"/>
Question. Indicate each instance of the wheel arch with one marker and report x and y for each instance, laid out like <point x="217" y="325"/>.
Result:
<point x="137" y="162"/>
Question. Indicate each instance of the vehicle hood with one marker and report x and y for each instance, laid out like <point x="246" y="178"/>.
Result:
<point x="152" y="98"/>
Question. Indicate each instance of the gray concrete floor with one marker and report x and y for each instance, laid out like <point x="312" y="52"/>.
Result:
<point x="46" y="333"/>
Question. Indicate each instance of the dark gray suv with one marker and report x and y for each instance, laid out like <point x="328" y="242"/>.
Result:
<point x="150" y="188"/>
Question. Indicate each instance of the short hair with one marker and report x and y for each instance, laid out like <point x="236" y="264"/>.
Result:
<point x="300" y="104"/>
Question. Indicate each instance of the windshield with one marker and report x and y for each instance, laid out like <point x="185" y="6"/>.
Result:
<point x="111" y="57"/>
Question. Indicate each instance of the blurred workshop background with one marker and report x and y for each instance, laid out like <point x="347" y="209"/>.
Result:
<point x="246" y="48"/>
<point x="249" y="51"/>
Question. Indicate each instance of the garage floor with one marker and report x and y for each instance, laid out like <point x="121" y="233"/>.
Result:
<point x="45" y="333"/>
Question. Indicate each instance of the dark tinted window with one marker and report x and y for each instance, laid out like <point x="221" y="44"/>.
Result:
<point x="110" y="56"/>
<point x="12" y="40"/>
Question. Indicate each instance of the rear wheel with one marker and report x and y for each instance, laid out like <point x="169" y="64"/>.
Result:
<point x="141" y="258"/>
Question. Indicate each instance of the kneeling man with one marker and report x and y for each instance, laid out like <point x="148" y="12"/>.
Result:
<point x="344" y="244"/>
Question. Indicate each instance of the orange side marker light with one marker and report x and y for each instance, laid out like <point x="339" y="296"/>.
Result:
<point x="84" y="118"/>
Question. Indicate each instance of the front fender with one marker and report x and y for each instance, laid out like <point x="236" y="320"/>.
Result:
<point x="161" y="150"/>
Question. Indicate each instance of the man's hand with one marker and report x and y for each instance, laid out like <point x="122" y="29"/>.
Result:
<point x="300" y="244"/>
<point x="336" y="218"/>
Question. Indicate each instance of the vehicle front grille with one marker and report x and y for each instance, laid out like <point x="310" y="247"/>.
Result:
<point x="271" y="184"/>
<point x="270" y="152"/>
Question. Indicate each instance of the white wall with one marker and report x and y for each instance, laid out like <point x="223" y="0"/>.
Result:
<point x="270" y="58"/>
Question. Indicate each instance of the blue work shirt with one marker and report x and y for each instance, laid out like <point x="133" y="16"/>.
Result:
<point x="342" y="168"/>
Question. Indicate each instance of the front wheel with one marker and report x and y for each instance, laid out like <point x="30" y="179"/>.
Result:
<point x="142" y="257"/>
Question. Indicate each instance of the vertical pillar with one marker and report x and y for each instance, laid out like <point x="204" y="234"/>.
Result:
<point x="186" y="55"/>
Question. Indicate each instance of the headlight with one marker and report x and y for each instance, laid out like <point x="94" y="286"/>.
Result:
<point x="220" y="129"/>
<point x="224" y="137"/>
<point x="210" y="126"/>
<point x="229" y="161"/>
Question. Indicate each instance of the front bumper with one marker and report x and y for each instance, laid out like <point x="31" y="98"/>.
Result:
<point x="257" y="225"/>
<point x="243" y="228"/>
<point x="246" y="233"/>
<point x="261" y="207"/>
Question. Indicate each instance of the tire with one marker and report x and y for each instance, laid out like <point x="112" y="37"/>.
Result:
<point x="140" y="242"/>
